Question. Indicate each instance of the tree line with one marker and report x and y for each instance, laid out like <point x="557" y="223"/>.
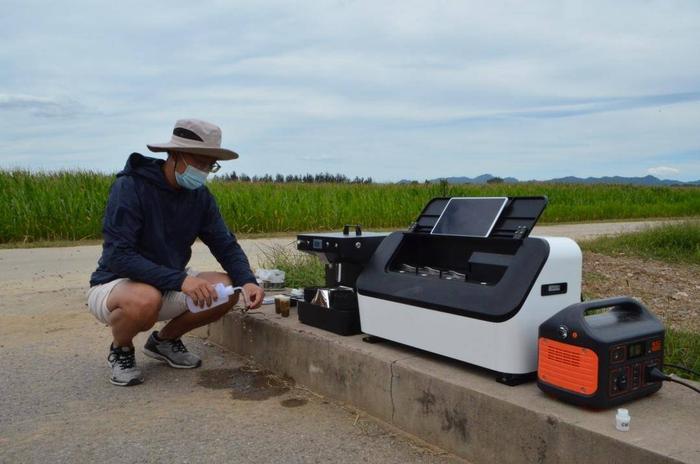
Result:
<point x="322" y="178"/>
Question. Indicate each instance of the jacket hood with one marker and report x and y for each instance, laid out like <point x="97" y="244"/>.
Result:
<point x="147" y="168"/>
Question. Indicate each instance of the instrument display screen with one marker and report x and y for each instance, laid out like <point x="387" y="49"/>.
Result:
<point x="635" y="350"/>
<point x="470" y="216"/>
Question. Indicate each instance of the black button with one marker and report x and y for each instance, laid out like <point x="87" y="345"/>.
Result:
<point x="622" y="382"/>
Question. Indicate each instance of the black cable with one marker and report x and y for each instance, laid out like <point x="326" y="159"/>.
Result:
<point x="656" y="374"/>
<point x="685" y="384"/>
<point x="683" y="368"/>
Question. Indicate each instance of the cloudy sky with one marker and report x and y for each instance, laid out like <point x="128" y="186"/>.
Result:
<point x="392" y="90"/>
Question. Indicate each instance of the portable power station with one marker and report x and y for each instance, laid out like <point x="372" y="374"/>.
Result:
<point x="600" y="359"/>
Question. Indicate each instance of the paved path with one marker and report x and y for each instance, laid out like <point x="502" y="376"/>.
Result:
<point x="596" y="229"/>
<point x="57" y="405"/>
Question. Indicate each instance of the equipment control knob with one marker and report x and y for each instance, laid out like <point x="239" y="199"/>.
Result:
<point x="563" y="331"/>
<point x="622" y="383"/>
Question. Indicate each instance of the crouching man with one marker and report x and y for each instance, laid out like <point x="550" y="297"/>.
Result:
<point x="155" y="211"/>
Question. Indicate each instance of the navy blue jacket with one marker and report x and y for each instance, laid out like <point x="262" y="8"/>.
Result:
<point x="149" y="228"/>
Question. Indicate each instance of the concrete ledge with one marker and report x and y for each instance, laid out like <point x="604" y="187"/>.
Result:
<point x="461" y="408"/>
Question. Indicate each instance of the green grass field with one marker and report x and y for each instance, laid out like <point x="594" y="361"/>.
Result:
<point x="69" y="205"/>
<point x="677" y="243"/>
<point x="682" y="348"/>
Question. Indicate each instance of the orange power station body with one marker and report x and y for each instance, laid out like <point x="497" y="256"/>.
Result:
<point x="600" y="358"/>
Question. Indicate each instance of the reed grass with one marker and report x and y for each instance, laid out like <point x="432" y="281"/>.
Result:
<point x="69" y="205"/>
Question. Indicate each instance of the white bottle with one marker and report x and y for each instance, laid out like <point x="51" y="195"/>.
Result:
<point x="223" y="291"/>
<point x="622" y="420"/>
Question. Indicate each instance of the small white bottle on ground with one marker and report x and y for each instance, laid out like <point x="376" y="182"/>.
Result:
<point x="622" y="420"/>
<point x="223" y="291"/>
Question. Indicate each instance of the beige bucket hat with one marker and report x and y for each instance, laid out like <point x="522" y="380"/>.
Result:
<point x="198" y="137"/>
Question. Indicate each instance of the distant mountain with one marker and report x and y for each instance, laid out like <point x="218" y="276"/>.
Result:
<point x="646" y="180"/>
<point x="482" y="179"/>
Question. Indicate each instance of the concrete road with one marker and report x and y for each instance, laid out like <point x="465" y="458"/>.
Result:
<point x="56" y="403"/>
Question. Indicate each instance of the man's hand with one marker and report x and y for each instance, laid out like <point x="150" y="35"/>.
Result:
<point x="200" y="290"/>
<point x="254" y="294"/>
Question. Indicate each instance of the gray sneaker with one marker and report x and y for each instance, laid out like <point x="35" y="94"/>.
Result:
<point x="173" y="352"/>
<point x="123" y="364"/>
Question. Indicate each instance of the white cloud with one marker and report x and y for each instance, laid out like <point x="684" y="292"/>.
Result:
<point x="663" y="172"/>
<point x="40" y="106"/>
<point x="388" y="89"/>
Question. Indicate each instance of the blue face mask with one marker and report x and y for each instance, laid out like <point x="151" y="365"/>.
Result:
<point x="192" y="178"/>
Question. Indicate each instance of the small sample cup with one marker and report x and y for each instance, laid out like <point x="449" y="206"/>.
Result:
<point x="278" y="304"/>
<point x="622" y="420"/>
<point x="283" y="305"/>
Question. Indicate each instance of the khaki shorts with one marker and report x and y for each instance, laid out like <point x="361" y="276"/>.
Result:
<point x="173" y="303"/>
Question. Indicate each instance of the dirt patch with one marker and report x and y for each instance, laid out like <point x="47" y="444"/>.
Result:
<point x="294" y="402"/>
<point x="246" y="382"/>
<point x="671" y="291"/>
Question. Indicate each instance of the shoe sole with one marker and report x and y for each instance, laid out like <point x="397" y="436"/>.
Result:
<point x="160" y="357"/>
<point x="130" y="383"/>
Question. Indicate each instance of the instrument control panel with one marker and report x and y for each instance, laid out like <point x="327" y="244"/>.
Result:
<point x="630" y="364"/>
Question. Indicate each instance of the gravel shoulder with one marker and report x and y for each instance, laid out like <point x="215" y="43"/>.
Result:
<point x="671" y="291"/>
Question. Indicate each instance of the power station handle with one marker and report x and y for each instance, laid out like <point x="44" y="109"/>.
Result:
<point x="625" y="303"/>
<point x="346" y="229"/>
